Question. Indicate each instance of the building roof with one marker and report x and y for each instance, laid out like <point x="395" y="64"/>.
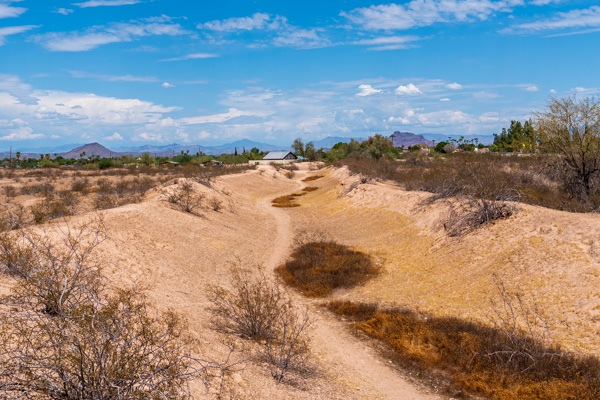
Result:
<point x="278" y="155"/>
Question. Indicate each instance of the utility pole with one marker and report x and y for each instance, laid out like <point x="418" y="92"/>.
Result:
<point x="10" y="158"/>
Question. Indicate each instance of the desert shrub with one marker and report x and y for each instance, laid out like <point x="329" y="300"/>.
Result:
<point x="310" y="189"/>
<point x="9" y="191"/>
<point x="257" y="308"/>
<point x="66" y="336"/>
<point x="284" y="201"/>
<point x="215" y="203"/>
<point x="185" y="197"/>
<point x="317" y="268"/>
<point x="80" y="185"/>
<point x="12" y="218"/>
<point x="495" y="362"/>
<point x="290" y="174"/>
<point x="43" y="190"/>
<point x="53" y="208"/>
<point x="104" y="201"/>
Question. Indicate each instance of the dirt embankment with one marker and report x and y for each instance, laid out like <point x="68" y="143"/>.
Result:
<point x="551" y="256"/>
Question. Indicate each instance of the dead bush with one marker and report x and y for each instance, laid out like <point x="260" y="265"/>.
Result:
<point x="318" y="268"/>
<point x="251" y="308"/>
<point x="48" y="209"/>
<point x="185" y="197"/>
<point x="215" y="203"/>
<point x="65" y="335"/>
<point x="80" y="185"/>
<point x="10" y="192"/>
<point x="256" y="308"/>
<point x="290" y="174"/>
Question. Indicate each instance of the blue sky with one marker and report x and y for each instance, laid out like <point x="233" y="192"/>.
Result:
<point x="133" y="72"/>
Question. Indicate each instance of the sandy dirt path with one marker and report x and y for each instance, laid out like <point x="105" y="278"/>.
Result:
<point x="359" y="367"/>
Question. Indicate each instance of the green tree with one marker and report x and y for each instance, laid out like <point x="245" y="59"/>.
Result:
<point x="298" y="147"/>
<point x="570" y="127"/>
<point x="377" y="146"/>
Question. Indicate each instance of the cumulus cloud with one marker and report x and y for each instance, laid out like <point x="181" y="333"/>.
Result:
<point x="13" y="30"/>
<point x="454" y="86"/>
<point x="553" y="91"/>
<point x="22" y="133"/>
<point x="114" y="136"/>
<point x="407" y="90"/>
<point x="419" y="13"/>
<point x="8" y="11"/>
<point x="115" y="33"/>
<point x="367" y="90"/>
<point x="167" y="85"/>
<point x="532" y="88"/>
<point x="100" y="3"/>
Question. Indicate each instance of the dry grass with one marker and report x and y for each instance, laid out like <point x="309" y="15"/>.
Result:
<point x="473" y="359"/>
<point x="318" y="268"/>
<point x="310" y="189"/>
<point x="285" y="201"/>
<point x="312" y="178"/>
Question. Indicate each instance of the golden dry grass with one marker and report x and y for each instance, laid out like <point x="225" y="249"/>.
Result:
<point x="312" y="178"/>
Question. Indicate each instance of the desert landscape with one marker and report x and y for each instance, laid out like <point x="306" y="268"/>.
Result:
<point x="549" y="256"/>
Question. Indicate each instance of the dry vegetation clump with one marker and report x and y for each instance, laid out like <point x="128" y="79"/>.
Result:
<point x="185" y="197"/>
<point x="509" y="361"/>
<point x="285" y="201"/>
<point x="317" y="268"/>
<point x="312" y="178"/>
<point x="67" y="335"/>
<point x="257" y="308"/>
<point x="533" y="179"/>
<point x="310" y="189"/>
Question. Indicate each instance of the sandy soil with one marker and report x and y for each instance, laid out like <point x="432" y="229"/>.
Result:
<point x="550" y="256"/>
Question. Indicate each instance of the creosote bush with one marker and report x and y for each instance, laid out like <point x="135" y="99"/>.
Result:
<point x="66" y="335"/>
<point x="319" y="267"/>
<point x="257" y="308"/>
<point x="507" y="361"/>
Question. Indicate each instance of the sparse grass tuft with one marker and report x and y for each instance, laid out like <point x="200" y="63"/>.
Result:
<point x="310" y="189"/>
<point x="318" y="268"/>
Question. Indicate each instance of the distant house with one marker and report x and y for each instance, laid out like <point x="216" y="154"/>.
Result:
<point x="276" y="157"/>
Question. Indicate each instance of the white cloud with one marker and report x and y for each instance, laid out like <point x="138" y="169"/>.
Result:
<point x="418" y="13"/>
<point x="589" y="17"/>
<point x="301" y="38"/>
<point x="13" y="30"/>
<point x="389" y="42"/>
<point x="55" y="137"/>
<point x="152" y="137"/>
<point x="64" y="11"/>
<point x="167" y="85"/>
<point x="193" y="56"/>
<point x="219" y="118"/>
<point x="114" y="136"/>
<point x="115" y="33"/>
<point x="367" y="90"/>
<point x="445" y="99"/>
<point x="454" y="86"/>
<point x="407" y="90"/>
<point x="532" y="88"/>
<point x="553" y="91"/>
<point x="444" y="117"/>
<point x="113" y="78"/>
<point x="100" y="3"/>
<point x="256" y="21"/>
<point x="22" y="133"/>
<point x="8" y="11"/>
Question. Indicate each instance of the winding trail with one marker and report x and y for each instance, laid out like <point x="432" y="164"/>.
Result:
<point x="357" y="365"/>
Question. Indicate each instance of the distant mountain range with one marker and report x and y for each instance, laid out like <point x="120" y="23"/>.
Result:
<point x="96" y="149"/>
